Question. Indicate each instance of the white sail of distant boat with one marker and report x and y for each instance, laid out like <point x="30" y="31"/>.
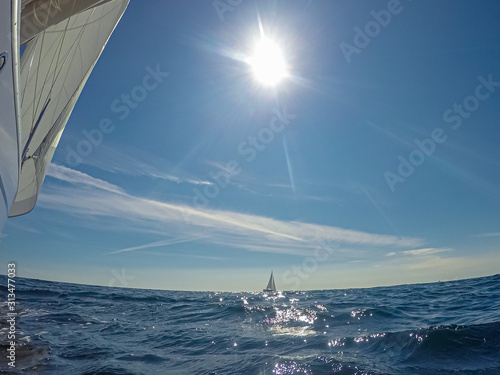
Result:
<point x="62" y="41"/>
<point x="271" y="287"/>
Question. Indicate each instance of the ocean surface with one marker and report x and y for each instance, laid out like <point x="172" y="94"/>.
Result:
<point x="439" y="328"/>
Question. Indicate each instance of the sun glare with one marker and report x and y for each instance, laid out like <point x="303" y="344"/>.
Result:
<point x="267" y="63"/>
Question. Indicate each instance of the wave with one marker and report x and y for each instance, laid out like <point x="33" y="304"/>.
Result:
<point x="442" y="347"/>
<point x="99" y="330"/>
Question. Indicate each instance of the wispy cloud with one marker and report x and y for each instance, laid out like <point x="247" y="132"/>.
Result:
<point x="75" y="177"/>
<point x="184" y="254"/>
<point x="139" y="163"/>
<point x="419" y="252"/>
<point x="97" y="198"/>
<point x="22" y="227"/>
<point x="496" y="234"/>
<point x="323" y="199"/>
<point x="427" y="251"/>
<point x="150" y="245"/>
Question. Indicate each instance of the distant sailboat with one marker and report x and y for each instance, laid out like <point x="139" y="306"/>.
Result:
<point x="271" y="287"/>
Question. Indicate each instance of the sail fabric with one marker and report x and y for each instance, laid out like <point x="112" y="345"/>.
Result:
<point x="53" y="70"/>
<point x="270" y="284"/>
<point x="38" y="15"/>
<point x="9" y="111"/>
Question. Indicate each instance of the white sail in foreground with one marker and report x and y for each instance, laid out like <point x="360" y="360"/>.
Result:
<point x="9" y="110"/>
<point x="271" y="287"/>
<point x="54" y="67"/>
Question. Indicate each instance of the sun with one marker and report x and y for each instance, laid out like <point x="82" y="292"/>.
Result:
<point x="267" y="63"/>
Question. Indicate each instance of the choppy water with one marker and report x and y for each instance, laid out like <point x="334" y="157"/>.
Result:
<point x="440" y="328"/>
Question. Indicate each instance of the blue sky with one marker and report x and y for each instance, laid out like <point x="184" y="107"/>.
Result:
<point x="374" y="162"/>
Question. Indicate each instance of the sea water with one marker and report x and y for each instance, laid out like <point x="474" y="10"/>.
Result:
<point x="439" y="328"/>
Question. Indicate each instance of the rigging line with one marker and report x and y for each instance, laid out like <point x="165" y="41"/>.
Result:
<point x="62" y="42"/>
<point x="29" y="77"/>
<point x="59" y="48"/>
<point x="58" y="53"/>
<point x="32" y="53"/>
<point x="71" y="98"/>
<point x="6" y="201"/>
<point x="36" y="81"/>
<point x="98" y="32"/>
<point x="28" y="186"/>
<point x="34" y="179"/>
<point x="35" y="108"/>
<point x="93" y="21"/>
<point x="26" y="147"/>
<point x="58" y="124"/>
<point x="54" y="43"/>
<point x="67" y="28"/>
<point x="77" y="44"/>
<point x="32" y="57"/>
<point x="64" y="111"/>
<point x="74" y="45"/>
<point x="36" y="15"/>
<point x="43" y="57"/>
